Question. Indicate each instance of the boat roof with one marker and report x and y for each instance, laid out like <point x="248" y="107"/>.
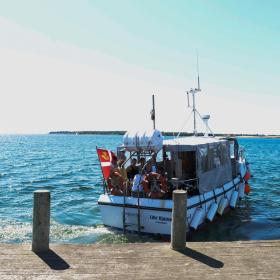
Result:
<point x="192" y="141"/>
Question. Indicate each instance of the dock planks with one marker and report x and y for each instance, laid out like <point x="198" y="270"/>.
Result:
<point x="200" y="260"/>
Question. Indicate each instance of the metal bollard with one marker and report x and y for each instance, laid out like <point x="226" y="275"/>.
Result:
<point x="41" y="221"/>
<point x="178" y="224"/>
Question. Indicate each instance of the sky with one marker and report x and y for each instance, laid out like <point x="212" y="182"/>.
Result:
<point x="94" y="65"/>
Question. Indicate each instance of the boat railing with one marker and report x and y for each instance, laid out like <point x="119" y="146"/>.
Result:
<point x="185" y="184"/>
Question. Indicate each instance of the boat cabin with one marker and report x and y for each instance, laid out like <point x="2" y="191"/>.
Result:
<point x="197" y="164"/>
<point x="202" y="162"/>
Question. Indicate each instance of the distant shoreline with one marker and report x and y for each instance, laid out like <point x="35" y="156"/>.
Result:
<point x="122" y="132"/>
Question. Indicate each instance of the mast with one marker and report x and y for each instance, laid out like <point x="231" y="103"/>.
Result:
<point x="153" y="113"/>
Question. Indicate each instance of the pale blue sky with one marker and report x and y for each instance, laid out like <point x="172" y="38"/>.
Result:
<point x="238" y="44"/>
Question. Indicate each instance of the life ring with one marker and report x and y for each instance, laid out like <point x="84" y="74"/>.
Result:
<point x="158" y="192"/>
<point x="162" y="180"/>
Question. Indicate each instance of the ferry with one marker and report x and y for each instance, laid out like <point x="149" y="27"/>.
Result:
<point x="212" y="170"/>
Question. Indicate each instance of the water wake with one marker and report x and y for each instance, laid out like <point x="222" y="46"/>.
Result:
<point x="20" y="232"/>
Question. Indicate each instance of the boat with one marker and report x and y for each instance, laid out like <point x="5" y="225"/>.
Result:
<point x="213" y="171"/>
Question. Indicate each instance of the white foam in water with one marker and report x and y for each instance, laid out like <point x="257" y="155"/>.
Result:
<point x="12" y="232"/>
<point x="68" y="233"/>
<point x="18" y="232"/>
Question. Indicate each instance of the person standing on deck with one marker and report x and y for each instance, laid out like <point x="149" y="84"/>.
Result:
<point x="122" y="171"/>
<point x="117" y="182"/>
<point x="132" y="170"/>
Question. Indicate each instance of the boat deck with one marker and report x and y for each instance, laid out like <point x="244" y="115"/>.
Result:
<point x="200" y="260"/>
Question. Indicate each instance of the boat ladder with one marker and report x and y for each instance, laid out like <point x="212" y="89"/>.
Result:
<point x="125" y="224"/>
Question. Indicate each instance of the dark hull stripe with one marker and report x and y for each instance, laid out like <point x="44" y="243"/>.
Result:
<point x="165" y="209"/>
<point x="135" y="206"/>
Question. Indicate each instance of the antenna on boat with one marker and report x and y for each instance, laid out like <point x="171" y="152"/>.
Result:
<point x="193" y="92"/>
<point x="197" y="68"/>
<point x="153" y="113"/>
<point x="195" y="113"/>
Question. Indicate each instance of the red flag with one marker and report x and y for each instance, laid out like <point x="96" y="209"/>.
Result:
<point x="106" y="157"/>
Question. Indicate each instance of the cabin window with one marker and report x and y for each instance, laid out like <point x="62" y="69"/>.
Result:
<point x="224" y="153"/>
<point x="203" y="152"/>
<point x="212" y="157"/>
<point x="231" y="148"/>
<point x="217" y="156"/>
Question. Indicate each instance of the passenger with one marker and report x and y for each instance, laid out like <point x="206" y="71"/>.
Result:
<point x="137" y="186"/>
<point x="121" y="155"/>
<point x="163" y="180"/>
<point x="114" y="162"/>
<point x="167" y="164"/>
<point x="122" y="169"/>
<point x="154" y="162"/>
<point x="148" y="168"/>
<point x="132" y="170"/>
<point x="117" y="182"/>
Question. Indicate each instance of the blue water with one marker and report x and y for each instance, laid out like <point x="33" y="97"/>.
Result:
<point x="67" y="165"/>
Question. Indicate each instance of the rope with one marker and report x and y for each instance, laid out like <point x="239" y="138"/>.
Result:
<point x="215" y="195"/>
<point x="224" y="191"/>
<point x="204" y="204"/>
<point x="184" y="125"/>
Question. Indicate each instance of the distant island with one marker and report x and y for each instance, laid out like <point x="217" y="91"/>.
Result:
<point x="114" y="132"/>
<point x="164" y="133"/>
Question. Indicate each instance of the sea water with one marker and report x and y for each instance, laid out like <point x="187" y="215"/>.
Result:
<point x="67" y="166"/>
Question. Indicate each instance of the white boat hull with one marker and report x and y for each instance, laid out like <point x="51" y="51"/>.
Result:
<point x="155" y="214"/>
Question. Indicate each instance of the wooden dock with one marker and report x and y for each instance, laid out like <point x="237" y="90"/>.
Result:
<point x="200" y="260"/>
